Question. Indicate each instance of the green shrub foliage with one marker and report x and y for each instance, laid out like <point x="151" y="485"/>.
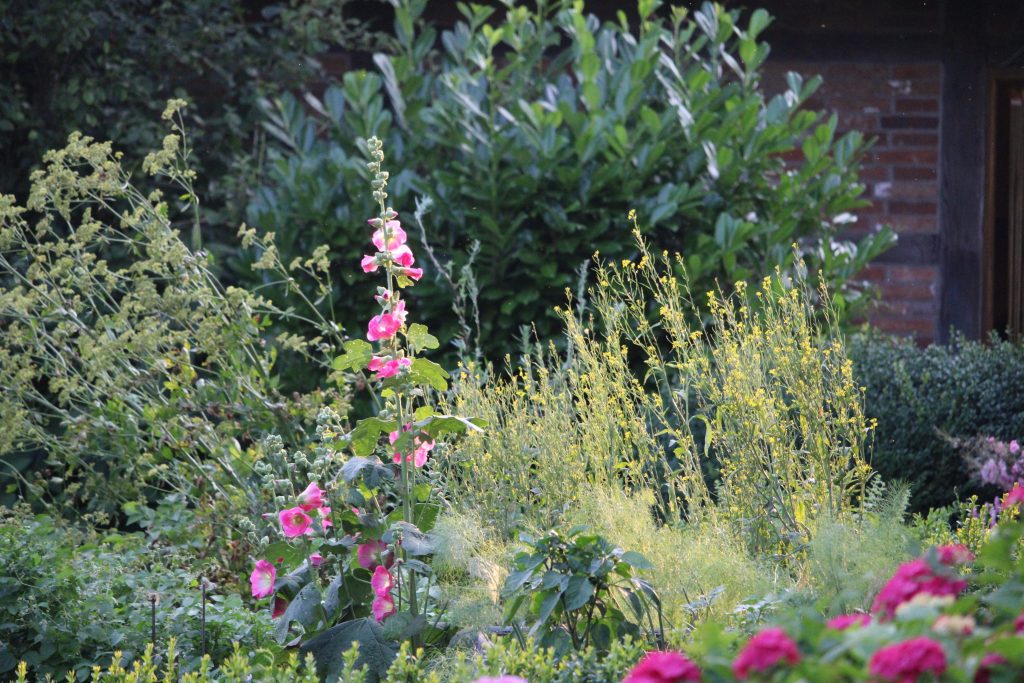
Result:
<point x="541" y="128"/>
<point x="964" y="389"/>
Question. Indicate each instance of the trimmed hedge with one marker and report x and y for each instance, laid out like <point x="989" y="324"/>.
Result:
<point x="964" y="389"/>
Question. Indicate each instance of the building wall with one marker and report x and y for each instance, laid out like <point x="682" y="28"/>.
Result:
<point x="897" y="105"/>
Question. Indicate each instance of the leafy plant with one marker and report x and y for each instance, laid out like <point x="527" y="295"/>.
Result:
<point x="579" y="590"/>
<point x="544" y="127"/>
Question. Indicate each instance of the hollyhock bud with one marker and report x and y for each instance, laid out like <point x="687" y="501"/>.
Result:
<point x="262" y="579"/>
<point x="316" y="559"/>
<point x="311" y="498"/>
<point x="294" y="522"/>
<point x="663" y="667"/>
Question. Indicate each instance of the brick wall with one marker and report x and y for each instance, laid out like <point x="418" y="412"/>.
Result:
<point x="898" y="105"/>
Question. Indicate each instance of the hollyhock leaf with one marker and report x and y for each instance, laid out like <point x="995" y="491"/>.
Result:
<point x="304" y="608"/>
<point x="367" y="432"/>
<point x="290" y="583"/>
<point x="403" y="626"/>
<point x="371" y="470"/>
<point x="428" y="372"/>
<point x="333" y="598"/>
<point x="357" y="356"/>
<point x="328" y="649"/>
<point x="420" y="338"/>
<point x="414" y="541"/>
<point x="289" y="555"/>
<point x="439" y="425"/>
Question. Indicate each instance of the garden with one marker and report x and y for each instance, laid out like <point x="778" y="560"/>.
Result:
<point x="531" y="348"/>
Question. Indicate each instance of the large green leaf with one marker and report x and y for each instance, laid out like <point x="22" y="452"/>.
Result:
<point x="328" y="649"/>
<point x="430" y="373"/>
<point x="305" y="608"/>
<point x="356" y="357"/>
<point x="420" y="338"/>
<point x="439" y="425"/>
<point x="372" y="471"/>
<point x="364" y="437"/>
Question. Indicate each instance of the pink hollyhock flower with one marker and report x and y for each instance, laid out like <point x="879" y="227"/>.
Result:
<point x="911" y="579"/>
<point x="382" y="326"/>
<point x="403" y="256"/>
<point x="262" y="579"/>
<point x="663" y="667"/>
<point x="381" y="581"/>
<point x="294" y="522"/>
<point x="399" y="311"/>
<point x="311" y="498"/>
<point x="1014" y="497"/>
<point x="383" y="607"/>
<point x="984" y="672"/>
<point x="316" y="559"/>
<point x="280" y="605"/>
<point x="954" y="554"/>
<point x="411" y="273"/>
<point x="369" y="264"/>
<point x="396" y="239"/>
<point x="764" y="651"/>
<point x="421" y="449"/>
<point x="325" y="518"/>
<point x="907" y="661"/>
<point x="845" y="621"/>
<point x="501" y="679"/>
<point x="387" y="368"/>
<point x="374" y="553"/>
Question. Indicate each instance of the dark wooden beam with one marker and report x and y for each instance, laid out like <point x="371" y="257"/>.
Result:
<point x="962" y="169"/>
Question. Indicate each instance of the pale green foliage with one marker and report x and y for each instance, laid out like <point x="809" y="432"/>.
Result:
<point x="699" y="569"/>
<point x="123" y="358"/>
<point x="471" y="566"/>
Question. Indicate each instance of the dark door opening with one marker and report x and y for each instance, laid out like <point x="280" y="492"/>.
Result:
<point x="1006" y="255"/>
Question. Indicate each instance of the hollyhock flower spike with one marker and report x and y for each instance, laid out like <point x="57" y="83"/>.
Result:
<point x="294" y="522"/>
<point x="663" y="667"/>
<point x="262" y="579"/>
<point x="907" y="661"/>
<point x="768" y="649"/>
<point x="396" y="234"/>
<point x="312" y="498"/>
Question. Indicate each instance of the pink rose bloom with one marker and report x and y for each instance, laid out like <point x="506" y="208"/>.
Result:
<point x="906" y="662"/>
<point x="381" y="581"/>
<point x="764" y="651"/>
<point x="294" y="522"/>
<point x="984" y="672"/>
<point x="369" y="264"/>
<point x="280" y="605"/>
<point x="383" y="607"/>
<point x="262" y="579"/>
<point x="411" y="273"/>
<point x="663" y="667"/>
<point x="913" y="578"/>
<point x="845" y="621"/>
<point x="311" y="498"/>
<point x="403" y="256"/>
<point x="954" y="554"/>
<point x="372" y="554"/>
<point x="316" y="559"/>
<point x="387" y="368"/>
<point x="501" y="679"/>
<point x="382" y="326"/>
<point x="1014" y="497"/>
<point x="396" y="236"/>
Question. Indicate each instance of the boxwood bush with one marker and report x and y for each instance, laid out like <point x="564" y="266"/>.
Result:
<point x="966" y="388"/>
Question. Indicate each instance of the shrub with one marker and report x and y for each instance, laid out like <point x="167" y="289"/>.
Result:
<point x="69" y="598"/>
<point x="126" y="363"/>
<point x="964" y="389"/>
<point x="540" y="129"/>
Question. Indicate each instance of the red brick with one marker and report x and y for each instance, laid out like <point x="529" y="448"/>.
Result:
<point x="906" y="157"/>
<point x="927" y="105"/>
<point x="909" y="291"/>
<point x="898" y="273"/>
<point x="898" y="208"/>
<point x="901" y="121"/>
<point x="919" y="172"/>
<point x="902" y="139"/>
<point x="914" y="224"/>
<point x="921" y="328"/>
<point x="927" y="190"/>
<point x="873" y="273"/>
<point x="926" y="71"/>
<point x="874" y="172"/>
